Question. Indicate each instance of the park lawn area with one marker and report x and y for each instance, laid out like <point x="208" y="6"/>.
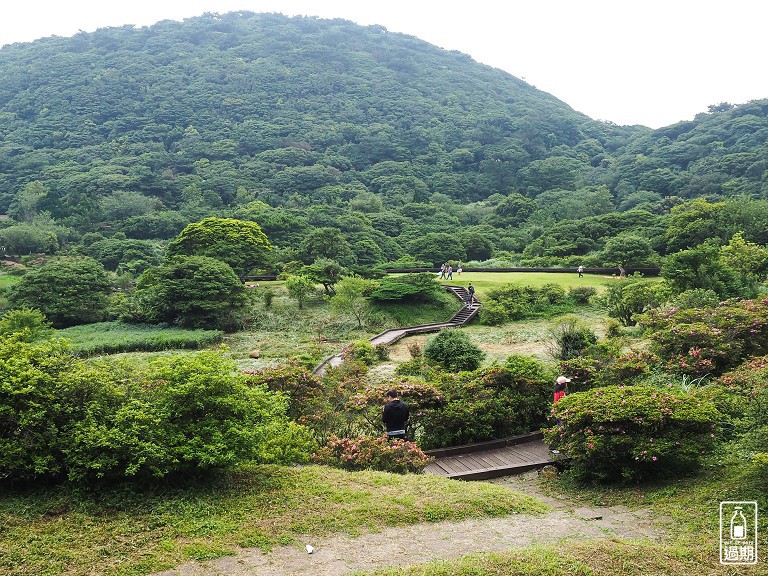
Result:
<point x="119" y="531"/>
<point x="484" y="281"/>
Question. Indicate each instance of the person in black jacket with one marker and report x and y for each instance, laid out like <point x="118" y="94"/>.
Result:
<point x="395" y="416"/>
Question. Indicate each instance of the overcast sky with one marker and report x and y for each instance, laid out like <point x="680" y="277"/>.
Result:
<point x="649" y="62"/>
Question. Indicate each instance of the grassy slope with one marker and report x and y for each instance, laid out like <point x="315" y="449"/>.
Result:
<point x="113" y="531"/>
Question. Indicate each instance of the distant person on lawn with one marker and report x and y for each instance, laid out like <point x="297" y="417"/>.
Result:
<point x="580" y="270"/>
<point x="395" y="416"/>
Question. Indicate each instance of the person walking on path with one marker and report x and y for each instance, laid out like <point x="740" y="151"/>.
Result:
<point x="442" y="271"/>
<point x="580" y="270"/>
<point x="471" y="295"/>
<point x="450" y="272"/>
<point x="395" y="416"/>
<point x="458" y="268"/>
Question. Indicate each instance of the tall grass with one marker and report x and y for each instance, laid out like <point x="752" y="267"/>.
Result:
<point x="114" y="337"/>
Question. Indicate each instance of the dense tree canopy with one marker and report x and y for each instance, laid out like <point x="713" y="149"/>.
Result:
<point x="344" y="142"/>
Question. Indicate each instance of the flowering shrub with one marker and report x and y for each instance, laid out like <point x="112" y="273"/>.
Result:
<point x="633" y="432"/>
<point x="365" y="352"/>
<point x="367" y="453"/>
<point x="301" y="387"/>
<point x="421" y="397"/>
<point x="492" y="403"/>
<point x="698" y="341"/>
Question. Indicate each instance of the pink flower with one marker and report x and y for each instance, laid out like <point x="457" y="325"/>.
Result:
<point x="654" y="458"/>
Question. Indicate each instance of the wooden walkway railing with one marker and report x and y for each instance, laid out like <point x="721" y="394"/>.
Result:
<point x="465" y="314"/>
<point x="491" y="459"/>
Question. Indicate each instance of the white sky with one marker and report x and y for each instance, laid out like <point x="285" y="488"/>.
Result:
<point x="650" y="62"/>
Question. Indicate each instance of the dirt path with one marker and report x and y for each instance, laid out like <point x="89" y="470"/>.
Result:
<point x="339" y="555"/>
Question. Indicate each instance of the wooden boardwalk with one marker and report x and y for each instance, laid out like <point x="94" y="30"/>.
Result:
<point x="491" y="459"/>
<point x="464" y="315"/>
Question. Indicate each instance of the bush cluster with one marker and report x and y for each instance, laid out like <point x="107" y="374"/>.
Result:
<point x="454" y="350"/>
<point x="492" y="403"/>
<point x="417" y="287"/>
<point x="633" y="432"/>
<point x="64" y="417"/>
<point x="367" y="453"/>
<point x="699" y="341"/>
<point x="512" y="302"/>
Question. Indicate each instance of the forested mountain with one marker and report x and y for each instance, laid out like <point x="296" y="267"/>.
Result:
<point x="341" y="141"/>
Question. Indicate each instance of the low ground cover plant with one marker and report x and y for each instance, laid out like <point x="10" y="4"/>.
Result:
<point x="114" y="337"/>
<point x="633" y="433"/>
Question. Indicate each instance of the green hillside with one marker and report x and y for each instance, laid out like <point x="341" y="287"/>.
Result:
<point x="332" y="134"/>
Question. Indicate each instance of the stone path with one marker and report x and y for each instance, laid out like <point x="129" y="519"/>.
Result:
<point x="339" y="555"/>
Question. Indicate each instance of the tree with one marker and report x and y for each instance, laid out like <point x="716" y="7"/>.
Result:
<point x="189" y="291"/>
<point x="327" y="242"/>
<point x="299" y="287"/>
<point x="437" y="247"/>
<point x="351" y="297"/>
<point x="747" y="259"/>
<point x="69" y="291"/>
<point x="326" y="272"/>
<point x="628" y="250"/>
<point x="28" y="239"/>
<point x="627" y="298"/>
<point x="701" y="267"/>
<point x="239" y="243"/>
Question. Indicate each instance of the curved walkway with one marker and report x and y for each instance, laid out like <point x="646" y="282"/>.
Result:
<point x="465" y="314"/>
<point x="340" y="554"/>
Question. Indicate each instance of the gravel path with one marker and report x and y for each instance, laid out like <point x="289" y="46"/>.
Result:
<point x="339" y="555"/>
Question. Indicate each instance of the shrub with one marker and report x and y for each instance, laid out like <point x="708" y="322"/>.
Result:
<point x="27" y="324"/>
<point x="418" y="287"/>
<point x="366" y="453"/>
<point x="554" y="293"/>
<point x="695" y="298"/>
<point x="454" y="351"/>
<point x="582" y="294"/>
<point x="361" y="351"/>
<point x="300" y="386"/>
<point x="570" y="338"/>
<point x="177" y="415"/>
<point x="633" y="432"/>
<point x="513" y="302"/>
<point x="495" y="403"/>
<point x="60" y="416"/>
<point x="698" y="341"/>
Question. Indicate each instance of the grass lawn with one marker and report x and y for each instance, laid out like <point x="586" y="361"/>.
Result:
<point x="120" y="532"/>
<point x="484" y="281"/>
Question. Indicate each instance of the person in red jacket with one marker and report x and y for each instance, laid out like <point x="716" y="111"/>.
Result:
<point x="560" y="385"/>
